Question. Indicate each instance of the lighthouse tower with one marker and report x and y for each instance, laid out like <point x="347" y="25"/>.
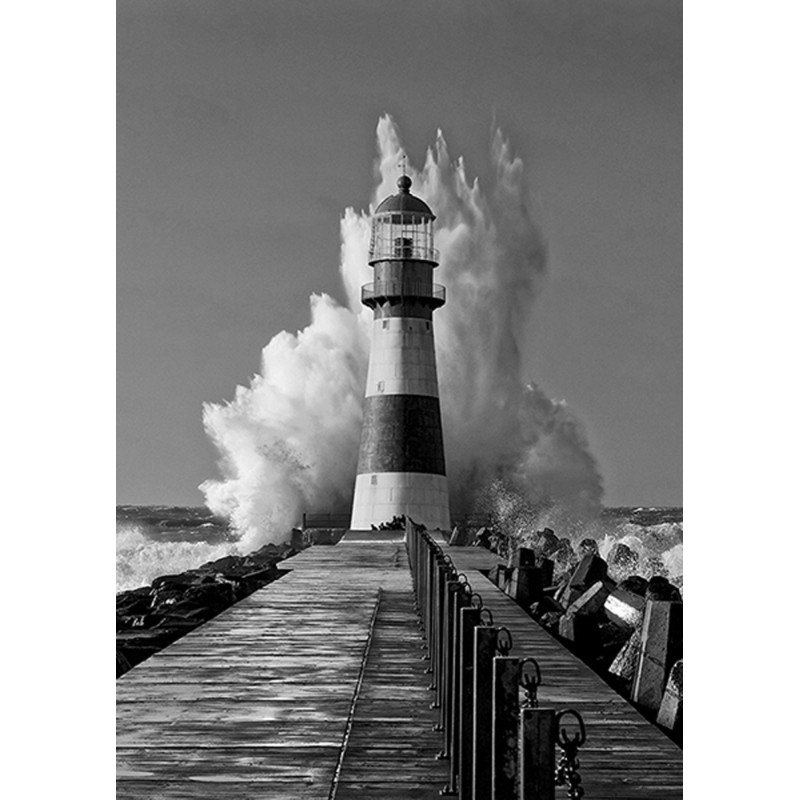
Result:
<point x="401" y="469"/>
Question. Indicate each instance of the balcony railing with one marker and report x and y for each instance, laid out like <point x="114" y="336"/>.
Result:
<point x="371" y="293"/>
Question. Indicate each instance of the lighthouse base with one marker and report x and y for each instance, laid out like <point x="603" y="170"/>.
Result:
<point x="418" y="495"/>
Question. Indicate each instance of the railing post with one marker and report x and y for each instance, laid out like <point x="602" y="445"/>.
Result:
<point x="471" y="618"/>
<point x="485" y="647"/>
<point x="537" y="754"/>
<point x="506" y="673"/>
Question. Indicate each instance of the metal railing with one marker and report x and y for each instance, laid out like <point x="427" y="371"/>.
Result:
<point x="381" y="249"/>
<point x="433" y="292"/>
<point x="326" y="521"/>
<point x="498" y="747"/>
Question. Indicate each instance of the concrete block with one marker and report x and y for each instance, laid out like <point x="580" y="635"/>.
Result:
<point x="624" y="608"/>
<point x="459" y="537"/>
<point x="670" y="713"/>
<point x="591" y="568"/>
<point x="624" y="665"/>
<point x="523" y="557"/>
<point x="590" y="602"/>
<point x="527" y="585"/>
<point x="662" y="646"/>
<point x="500" y="575"/>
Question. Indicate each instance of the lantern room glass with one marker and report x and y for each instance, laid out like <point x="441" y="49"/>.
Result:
<point x="402" y="234"/>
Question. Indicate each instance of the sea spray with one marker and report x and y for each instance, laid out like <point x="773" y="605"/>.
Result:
<point x="289" y="441"/>
<point x="142" y="558"/>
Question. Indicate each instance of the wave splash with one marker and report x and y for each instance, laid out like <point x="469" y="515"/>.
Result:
<point x="141" y="558"/>
<point x="288" y="442"/>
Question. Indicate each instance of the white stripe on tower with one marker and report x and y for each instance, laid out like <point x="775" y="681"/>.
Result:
<point x="402" y="358"/>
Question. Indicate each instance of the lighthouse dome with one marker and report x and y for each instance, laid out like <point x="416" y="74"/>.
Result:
<point x="404" y="201"/>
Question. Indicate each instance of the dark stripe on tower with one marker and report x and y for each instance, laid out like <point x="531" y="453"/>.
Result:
<point x="401" y="433"/>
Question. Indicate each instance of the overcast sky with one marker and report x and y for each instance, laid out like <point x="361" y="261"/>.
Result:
<point x="246" y="127"/>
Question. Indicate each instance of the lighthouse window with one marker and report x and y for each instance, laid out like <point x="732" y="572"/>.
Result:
<point x="374" y="480"/>
<point x="380" y="386"/>
<point x="385" y="324"/>
<point x="427" y="326"/>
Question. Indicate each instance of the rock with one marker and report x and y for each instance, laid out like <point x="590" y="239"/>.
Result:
<point x="181" y="581"/>
<point x="221" y="564"/>
<point x="137" y="604"/>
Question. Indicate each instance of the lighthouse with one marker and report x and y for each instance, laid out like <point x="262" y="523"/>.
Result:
<point x="401" y="465"/>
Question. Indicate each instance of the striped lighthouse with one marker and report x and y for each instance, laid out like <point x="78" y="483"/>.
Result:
<point x="401" y="467"/>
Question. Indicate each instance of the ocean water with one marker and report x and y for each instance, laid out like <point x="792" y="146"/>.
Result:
<point x="163" y="540"/>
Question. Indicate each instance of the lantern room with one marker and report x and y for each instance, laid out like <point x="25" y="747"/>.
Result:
<point x="402" y="228"/>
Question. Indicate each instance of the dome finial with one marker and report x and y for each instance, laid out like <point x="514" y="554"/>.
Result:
<point x="403" y="182"/>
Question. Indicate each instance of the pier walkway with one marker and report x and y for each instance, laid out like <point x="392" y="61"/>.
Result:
<point x="313" y="687"/>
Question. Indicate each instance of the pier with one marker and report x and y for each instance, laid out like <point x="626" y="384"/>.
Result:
<point x="316" y="687"/>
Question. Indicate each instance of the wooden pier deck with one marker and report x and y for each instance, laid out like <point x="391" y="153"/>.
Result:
<point x="313" y="687"/>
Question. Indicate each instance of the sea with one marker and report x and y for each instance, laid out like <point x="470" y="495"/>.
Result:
<point x="164" y="540"/>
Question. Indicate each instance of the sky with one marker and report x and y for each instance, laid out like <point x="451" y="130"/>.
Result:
<point x="245" y="128"/>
